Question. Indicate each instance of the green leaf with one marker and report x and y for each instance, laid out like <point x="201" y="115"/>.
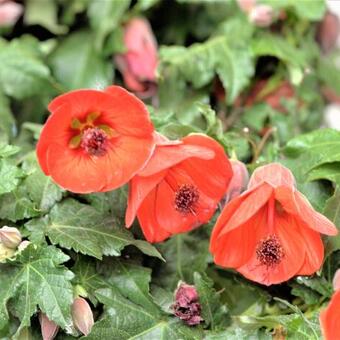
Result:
<point x="104" y="17"/>
<point x="38" y="279"/>
<point x="43" y="13"/>
<point x="199" y="63"/>
<point x="7" y="127"/>
<point x="315" y="148"/>
<point x="184" y="254"/>
<point x="9" y="176"/>
<point x="124" y="319"/>
<point x="75" y="63"/>
<point x="239" y="334"/>
<point x="214" y="313"/>
<point x="82" y="228"/>
<point x="143" y="5"/>
<point x="132" y="281"/>
<point x="8" y="150"/>
<point x="22" y="73"/>
<point x="330" y="171"/>
<point x="332" y="211"/>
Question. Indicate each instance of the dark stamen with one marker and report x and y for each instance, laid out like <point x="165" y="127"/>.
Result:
<point x="94" y="141"/>
<point x="186" y="198"/>
<point x="269" y="251"/>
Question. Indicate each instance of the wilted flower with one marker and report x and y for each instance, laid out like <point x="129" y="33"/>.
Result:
<point x="5" y="253"/>
<point x="270" y="233"/>
<point x="49" y="329"/>
<point x="10" y="237"/>
<point x="330" y="316"/>
<point x="10" y="12"/>
<point x="239" y="181"/>
<point x="95" y="141"/>
<point x="82" y="315"/>
<point x="187" y="306"/>
<point x="261" y="15"/>
<point x="139" y="63"/>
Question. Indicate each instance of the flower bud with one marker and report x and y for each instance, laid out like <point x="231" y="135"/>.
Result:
<point x="261" y="15"/>
<point x="139" y="63"/>
<point x="23" y="245"/>
<point x="187" y="306"/>
<point x="5" y="253"/>
<point x="239" y="181"/>
<point x="10" y="237"/>
<point x="246" y="5"/>
<point x="82" y="315"/>
<point x="10" y="12"/>
<point x="328" y="32"/>
<point x="49" y="329"/>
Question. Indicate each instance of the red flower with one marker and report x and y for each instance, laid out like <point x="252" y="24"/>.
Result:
<point x="95" y="140"/>
<point x="270" y="233"/>
<point x="138" y="65"/>
<point x="330" y="316"/>
<point x="179" y="188"/>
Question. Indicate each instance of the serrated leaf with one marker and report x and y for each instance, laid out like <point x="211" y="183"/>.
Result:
<point x="199" y="63"/>
<point x="75" y="63"/>
<point x="126" y="320"/>
<point x="9" y="176"/>
<point x="332" y="211"/>
<point x="132" y="281"/>
<point x="22" y="73"/>
<point x="330" y="171"/>
<point x="8" y="150"/>
<point x="214" y="313"/>
<point x="238" y="334"/>
<point x="82" y="228"/>
<point x="38" y="279"/>
<point x="7" y="127"/>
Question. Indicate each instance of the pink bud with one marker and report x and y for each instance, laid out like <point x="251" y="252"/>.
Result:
<point x="187" y="306"/>
<point x="246" y="5"/>
<point x="10" y="237"/>
<point x="328" y="32"/>
<point x="10" y="12"/>
<point x="336" y="280"/>
<point x="49" y="329"/>
<point x="262" y="15"/>
<point x="239" y="181"/>
<point x="139" y="63"/>
<point x="23" y="245"/>
<point x="82" y="315"/>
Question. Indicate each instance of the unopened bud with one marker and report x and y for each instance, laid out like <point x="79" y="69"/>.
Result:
<point x="23" y="245"/>
<point x="49" y="329"/>
<point x="261" y="15"/>
<point x="246" y="5"/>
<point x="5" y="253"/>
<point x="82" y="315"/>
<point x="336" y="280"/>
<point x="187" y="306"/>
<point x="10" y="237"/>
<point x="238" y="182"/>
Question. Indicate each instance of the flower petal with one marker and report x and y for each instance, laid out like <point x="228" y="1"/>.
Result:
<point x="274" y="174"/>
<point x="330" y="318"/>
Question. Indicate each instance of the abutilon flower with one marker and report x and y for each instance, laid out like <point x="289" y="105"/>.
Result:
<point x="180" y="186"/>
<point x="10" y="237"/>
<point x="328" y="32"/>
<point x="82" y="315"/>
<point x="330" y="316"/>
<point x="49" y="329"/>
<point x="270" y="233"/>
<point x="10" y="12"/>
<point x="139" y="63"/>
<point x="95" y="140"/>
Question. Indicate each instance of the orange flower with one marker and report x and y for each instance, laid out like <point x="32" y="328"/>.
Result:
<point x="95" y="140"/>
<point x="270" y="233"/>
<point x="179" y="188"/>
<point x="330" y="316"/>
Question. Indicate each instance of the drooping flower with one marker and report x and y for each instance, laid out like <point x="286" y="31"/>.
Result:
<point x="180" y="186"/>
<point x="330" y="316"/>
<point x="328" y="32"/>
<point x="187" y="306"/>
<point x="95" y="140"/>
<point x="49" y="329"/>
<point x="239" y="180"/>
<point x="10" y="12"/>
<point x="270" y="233"/>
<point x="139" y="63"/>
<point x="82" y="315"/>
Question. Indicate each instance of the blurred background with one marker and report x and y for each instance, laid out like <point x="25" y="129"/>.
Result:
<point x="241" y="71"/>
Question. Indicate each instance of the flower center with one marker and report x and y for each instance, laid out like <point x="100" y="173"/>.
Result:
<point x="94" y="141"/>
<point x="186" y="198"/>
<point x="269" y="251"/>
